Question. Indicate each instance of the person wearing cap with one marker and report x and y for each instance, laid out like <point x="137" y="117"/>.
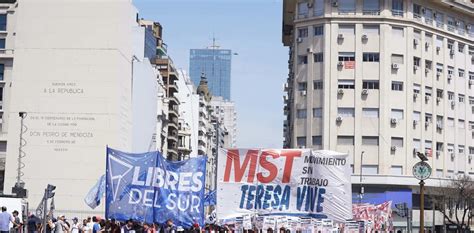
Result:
<point x="5" y="220"/>
<point x="60" y="226"/>
<point x="75" y="225"/>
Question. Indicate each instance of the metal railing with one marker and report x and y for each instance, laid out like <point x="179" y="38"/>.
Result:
<point x="371" y="12"/>
<point x="417" y="16"/>
<point x="397" y="13"/>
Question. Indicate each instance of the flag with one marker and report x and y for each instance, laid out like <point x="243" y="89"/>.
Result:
<point x="96" y="193"/>
<point x="210" y="198"/>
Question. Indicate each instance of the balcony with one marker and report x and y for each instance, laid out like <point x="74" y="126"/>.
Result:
<point x="202" y="149"/>
<point x="371" y="12"/>
<point x="173" y="100"/>
<point x="347" y="11"/>
<point x="439" y="24"/>
<point x="173" y="123"/>
<point x="173" y="110"/>
<point x="172" y="87"/>
<point x="417" y="16"/>
<point x="173" y="136"/>
<point x="6" y="53"/>
<point x="397" y="13"/>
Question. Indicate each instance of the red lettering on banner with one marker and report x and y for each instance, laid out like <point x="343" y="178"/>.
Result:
<point x="290" y="156"/>
<point x="269" y="166"/>
<point x="233" y="156"/>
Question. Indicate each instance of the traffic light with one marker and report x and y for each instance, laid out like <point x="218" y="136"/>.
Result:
<point x="50" y="191"/>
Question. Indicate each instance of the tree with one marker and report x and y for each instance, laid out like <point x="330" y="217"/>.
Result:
<point x="456" y="201"/>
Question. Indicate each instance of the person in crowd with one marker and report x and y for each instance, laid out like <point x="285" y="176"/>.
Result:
<point x="5" y="219"/>
<point x="75" y="227"/>
<point x="61" y="226"/>
<point x="114" y="226"/>
<point x="85" y="227"/>
<point x="95" y="225"/>
<point x="168" y="227"/>
<point x="17" y="222"/>
<point x="32" y="224"/>
<point x="195" y="228"/>
<point x="128" y="227"/>
<point x="90" y="223"/>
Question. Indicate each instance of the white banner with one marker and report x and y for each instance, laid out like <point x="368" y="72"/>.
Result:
<point x="300" y="183"/>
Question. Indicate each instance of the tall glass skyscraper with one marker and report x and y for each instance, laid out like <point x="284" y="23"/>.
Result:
<point x="215" y="64"/>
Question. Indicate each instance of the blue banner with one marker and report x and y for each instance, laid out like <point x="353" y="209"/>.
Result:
<point x="147" y="188"/>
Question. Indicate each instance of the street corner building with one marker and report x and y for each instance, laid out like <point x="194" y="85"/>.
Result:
<point x="383" y="80"/>
<point x="75" y="70"/>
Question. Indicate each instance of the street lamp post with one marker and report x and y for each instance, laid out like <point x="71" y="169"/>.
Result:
<point x="422" y="171"/>
<point x="361" y="191"/>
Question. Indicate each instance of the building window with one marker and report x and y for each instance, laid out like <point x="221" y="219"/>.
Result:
<point x="303" y="9"/>
<point x="302" y="59"/>
<point x="317" y="85"/>
<point x="461" y="73"/>
<point x="318" y="8"/>
<point x="461" y="124"/>
<point x="397" y="7"/>
<point x="371" y="7"/>
<point x="345" y="84"/>
<point x="450" y="45"/>
<point x="2" y="43"/>
<point x="396" y="170"/>
<point x="428" y="148"/>
<point x="461" y="149"/>
<point x="428" y="118"/>
<point x="370" y="84"/>
<point x="416" y="11"/>
<point x="471" y="150"/>
<point x="317" y="112"/>
<point x="370" y="140"/>
<point x="319" y="30"/>
<point x="370" y="169"/>
<point x="428" y="14"/>
<point x="398" y="32"/>
<point x="301" y="141"/>
<point x="345" y="140"/>
<point x="397" y="142"/>
<point x="461" y="98"/>
<point x="317" y="140"/>
<point x="318" y="57"/>
<point x="450" y="95"/>
<point x="397" y="59"/>
<point x="347" y="6"/>
<point x="397" y="114"/>
<point x="428" y="65"/>
<point x="303" y="32"/>
<point x="451" y="23"/>
<point x="450" y="122"/>
<point x="370" y="112"/>
<point x="416" y="144"/>
<point x="370" y="30"/>
<point x="345" y="112"/>
<point x="346" y="56"/>
<point x="439" y="93"/>
<point x="416" y="88"/>
<point x="301" y="113"/>
<point x="397" y="86"/>
<point x="461" y="47"/>
<point x="439" y="18"/>
<point x="302" y="86"/>
<point x="370" y="57"/>
<point x="428" y="91"/>
<point x="3" y="22"/>
<point x="439" y="68"/>
<point x="416" y="61"/>
<point x="416" y="116"/>
<point x="346" y="29"/>
<point x="2" y="71"/>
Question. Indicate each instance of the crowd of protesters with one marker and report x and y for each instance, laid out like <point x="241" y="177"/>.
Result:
<point x="11" y="223"/>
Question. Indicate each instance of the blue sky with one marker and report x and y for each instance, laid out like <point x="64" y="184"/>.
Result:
<point x="251" y="28"/>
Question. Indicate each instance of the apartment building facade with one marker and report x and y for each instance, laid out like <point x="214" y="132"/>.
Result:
<point x="382" y="80"/>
